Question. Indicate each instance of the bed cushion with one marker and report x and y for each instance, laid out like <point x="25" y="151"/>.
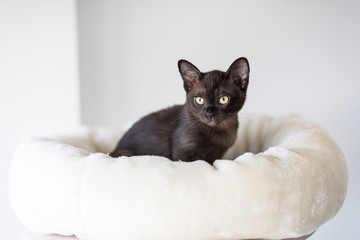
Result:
<point x="284" y="178"/>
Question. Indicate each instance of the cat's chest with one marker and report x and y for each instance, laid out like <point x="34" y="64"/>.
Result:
<point x="207" y="137"/>
<point x="221" y="138"/>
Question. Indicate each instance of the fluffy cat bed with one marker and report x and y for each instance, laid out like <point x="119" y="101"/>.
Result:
<point x="288" y="178"/>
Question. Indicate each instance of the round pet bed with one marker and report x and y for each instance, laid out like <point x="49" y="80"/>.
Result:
<point x="288" y="178"/>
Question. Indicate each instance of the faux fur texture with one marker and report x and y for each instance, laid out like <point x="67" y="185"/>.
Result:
<point x="288" y="178"/>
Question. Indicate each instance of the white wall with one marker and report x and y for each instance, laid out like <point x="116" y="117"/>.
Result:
<point x="39" y="88"/>
<point x="304" y="58"/>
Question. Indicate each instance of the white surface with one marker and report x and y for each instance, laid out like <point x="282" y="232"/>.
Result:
<point x="69" y="185"/>
<point x="304" y="58"/>
<point x="39" y="92"/>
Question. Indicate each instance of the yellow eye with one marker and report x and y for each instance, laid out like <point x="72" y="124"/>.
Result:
<point x="224" y="100"/>
<point x="199" y="100"/>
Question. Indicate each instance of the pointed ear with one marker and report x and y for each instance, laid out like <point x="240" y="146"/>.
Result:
<point x="239" y="72"/>
<point x="189" y="73"/>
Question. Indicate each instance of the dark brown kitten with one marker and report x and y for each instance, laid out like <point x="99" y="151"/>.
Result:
<point x="203" y="128"/>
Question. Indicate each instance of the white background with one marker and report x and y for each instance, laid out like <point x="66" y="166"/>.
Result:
<point x="39" y="87"/>
<point x="304" y="59"/>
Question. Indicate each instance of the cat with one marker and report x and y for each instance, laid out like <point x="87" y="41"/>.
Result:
<point x="203" y="128"/>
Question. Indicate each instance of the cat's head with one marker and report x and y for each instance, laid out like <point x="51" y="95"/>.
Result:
<point x="216" y="96"/>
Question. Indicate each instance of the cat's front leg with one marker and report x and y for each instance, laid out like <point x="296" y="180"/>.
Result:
<point x="121" y="152"/>
<point x="186" y="155"/>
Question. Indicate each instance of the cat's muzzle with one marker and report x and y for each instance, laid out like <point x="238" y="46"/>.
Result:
<point x="210" y="115"/>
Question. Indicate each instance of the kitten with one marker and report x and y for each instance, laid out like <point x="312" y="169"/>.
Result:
<point x="203" y="128"/>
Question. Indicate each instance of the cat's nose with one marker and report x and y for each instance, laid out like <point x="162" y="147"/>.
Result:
<point x="209" y="115"/>
<point x="209" y="112"/>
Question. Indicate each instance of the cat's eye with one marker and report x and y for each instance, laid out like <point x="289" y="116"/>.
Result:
<point x="199" y="100"/>
<point x="224" y="100"/>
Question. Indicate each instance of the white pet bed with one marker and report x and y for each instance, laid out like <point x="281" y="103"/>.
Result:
<point x="288" y="178"/>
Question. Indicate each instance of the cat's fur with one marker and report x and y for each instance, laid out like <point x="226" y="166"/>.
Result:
<point x="192" y="131"/>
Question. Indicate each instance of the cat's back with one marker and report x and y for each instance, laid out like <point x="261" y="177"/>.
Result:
<point x="151" y="135"/>
<point x="166" y="117"/>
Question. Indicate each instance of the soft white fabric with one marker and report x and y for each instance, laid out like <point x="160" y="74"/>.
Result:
<point x="288" y="178"/>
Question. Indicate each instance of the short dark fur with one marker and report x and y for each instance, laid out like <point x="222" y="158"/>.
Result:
<point x="193" y="131"/>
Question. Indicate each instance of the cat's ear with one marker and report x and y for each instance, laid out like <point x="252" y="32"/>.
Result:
<point x="239" y="72"/>
<point x="189" y="73"/>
